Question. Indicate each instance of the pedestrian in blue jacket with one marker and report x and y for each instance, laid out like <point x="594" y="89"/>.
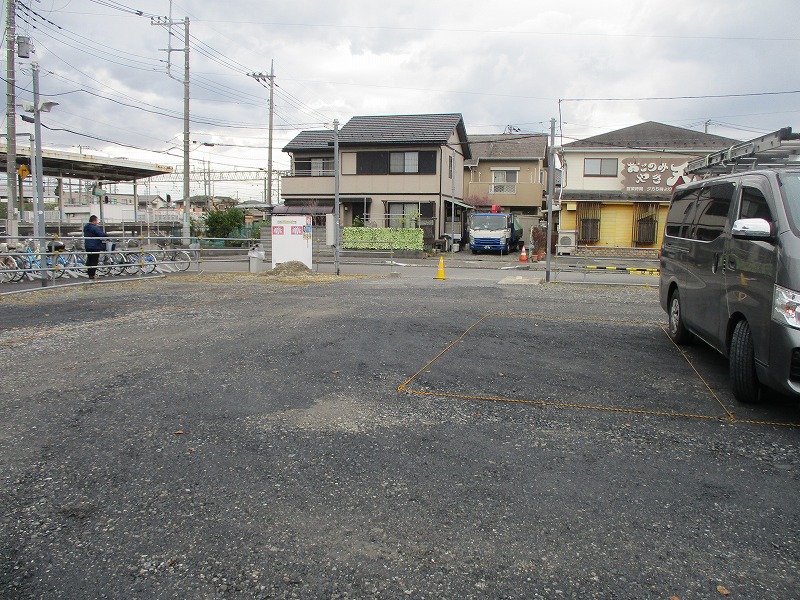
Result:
<point x="93" y="236"/>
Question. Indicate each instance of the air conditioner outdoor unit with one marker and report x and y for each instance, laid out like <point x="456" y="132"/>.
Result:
<point x="567" y="242"/>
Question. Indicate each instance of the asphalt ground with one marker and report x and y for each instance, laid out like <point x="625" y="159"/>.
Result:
<point x="245" y="437"/>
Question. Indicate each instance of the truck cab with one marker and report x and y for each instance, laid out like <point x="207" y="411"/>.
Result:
<point x="494" y="232"/>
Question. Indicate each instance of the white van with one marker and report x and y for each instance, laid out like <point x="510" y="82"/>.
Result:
<point x="730" y="275"/>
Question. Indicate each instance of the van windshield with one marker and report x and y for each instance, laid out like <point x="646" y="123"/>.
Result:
<point x="790" y="187"/>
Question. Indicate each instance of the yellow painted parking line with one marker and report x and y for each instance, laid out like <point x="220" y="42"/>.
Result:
<point x="728" y="418"/>
<point x="637" y="411"/>
<point x="731" y="417"/>
<point x="403" y="385"/>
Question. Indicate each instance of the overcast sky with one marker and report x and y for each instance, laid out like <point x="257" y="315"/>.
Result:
<point x="594" y="66"/>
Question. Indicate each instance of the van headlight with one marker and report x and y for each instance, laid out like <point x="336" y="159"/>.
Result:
<point x="784" y="307"/>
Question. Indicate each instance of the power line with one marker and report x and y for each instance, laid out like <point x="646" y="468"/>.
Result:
<point x="549" y="33"/>
<point x="121" y="7"/>
<point x="642" y="99"/>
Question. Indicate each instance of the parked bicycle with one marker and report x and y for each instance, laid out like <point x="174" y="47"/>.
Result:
<point x="10" y="266"/>
<point x="180" y="259"/>
<point x="139" y="260"/>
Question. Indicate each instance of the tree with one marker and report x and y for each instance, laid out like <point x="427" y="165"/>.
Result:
<point x="221" y="223"/>
<point x="477" y="201"/>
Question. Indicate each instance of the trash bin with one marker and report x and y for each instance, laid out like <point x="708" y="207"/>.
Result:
<point x="257" y="256"/>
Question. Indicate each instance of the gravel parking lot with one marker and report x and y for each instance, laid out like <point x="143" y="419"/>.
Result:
<point x="322" y="437"/>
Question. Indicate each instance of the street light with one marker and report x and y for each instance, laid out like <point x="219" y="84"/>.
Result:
<point x="37" y="107"/>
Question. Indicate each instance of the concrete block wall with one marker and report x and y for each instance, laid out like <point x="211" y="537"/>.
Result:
<point x="617" y="252"/>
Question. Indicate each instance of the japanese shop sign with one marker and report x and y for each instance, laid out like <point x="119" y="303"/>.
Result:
<point x="654" y="177"/>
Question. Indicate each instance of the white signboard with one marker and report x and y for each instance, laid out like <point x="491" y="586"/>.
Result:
<point x="291" y="239"/>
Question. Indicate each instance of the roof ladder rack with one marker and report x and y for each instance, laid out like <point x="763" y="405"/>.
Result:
<point x="778" y="149"/>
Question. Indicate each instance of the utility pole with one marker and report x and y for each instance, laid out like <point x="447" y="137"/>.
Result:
<point x="187" y="196"/>
<point x="11" y="124"/>
<point x="169" y="23"/>
<point x="337" y="234"/>
<point x="261" y="77"/>
<point x="38" y="206"/>
<point x="551" y="186"/>
<point x="271" y="112"/>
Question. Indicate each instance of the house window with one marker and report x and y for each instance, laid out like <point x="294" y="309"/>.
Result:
<point x="396" y="163"/>
<point x="504" y="182"/>
<point x="314" y="167"/>
<point x="645" y="223"/>
<point x="450" y="166"/>
<point x="372" y="163"/>
<point x="600" y="167"/>
<point x="588" y="222"/>
<point x="404" y="162"/>
<point x="403" y="214"/>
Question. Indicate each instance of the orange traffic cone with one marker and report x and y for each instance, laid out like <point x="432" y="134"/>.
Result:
<point x="523" y="254"/>
<point x="440" y="274"/>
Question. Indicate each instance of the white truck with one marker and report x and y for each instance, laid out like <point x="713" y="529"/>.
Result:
<point x="494" y="232"/>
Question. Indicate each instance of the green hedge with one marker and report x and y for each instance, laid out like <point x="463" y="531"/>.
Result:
<point x="381" y="238"/>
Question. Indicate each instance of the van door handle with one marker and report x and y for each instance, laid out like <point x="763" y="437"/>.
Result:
<point x="715" y="263"/>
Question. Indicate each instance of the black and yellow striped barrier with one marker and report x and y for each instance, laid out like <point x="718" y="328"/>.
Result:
<point x="633" y="270"/>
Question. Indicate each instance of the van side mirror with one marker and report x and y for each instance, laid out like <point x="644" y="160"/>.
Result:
<point x="752" y="229"/>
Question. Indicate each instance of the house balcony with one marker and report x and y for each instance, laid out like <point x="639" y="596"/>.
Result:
<point x="307" y="185"/>
<point x="508" y="194"/>
<point x="302" y="186"/>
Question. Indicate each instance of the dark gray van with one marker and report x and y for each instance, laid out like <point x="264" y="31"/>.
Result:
<point x="730" y="275"/>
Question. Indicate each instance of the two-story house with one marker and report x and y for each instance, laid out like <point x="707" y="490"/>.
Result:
<point x="395" y="171"/>
<point x="617" y="187"/>
<point x="508" y="173"/>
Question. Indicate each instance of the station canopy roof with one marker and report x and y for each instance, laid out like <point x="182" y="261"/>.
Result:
<point x="84" y="166"/>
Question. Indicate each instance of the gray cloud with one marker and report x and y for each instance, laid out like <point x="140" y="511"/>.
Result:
<point x="500" y="63"/>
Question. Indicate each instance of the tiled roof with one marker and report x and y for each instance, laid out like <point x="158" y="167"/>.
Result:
<point x="400" y="129"/>
<point x="651" y="135"/>
<point x="505" y="146"/>
<point x="317" y="139"/>
<point x="388" y="130"/>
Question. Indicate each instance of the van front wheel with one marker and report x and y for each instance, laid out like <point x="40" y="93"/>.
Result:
<point x="744" y="380"/>
<point x="677" y="332"/>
